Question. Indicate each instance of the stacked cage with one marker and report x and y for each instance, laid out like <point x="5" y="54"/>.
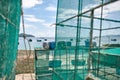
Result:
<point x="43" y="64"/>
<point x="87" y="40"/>
<point x="10" y="11"/>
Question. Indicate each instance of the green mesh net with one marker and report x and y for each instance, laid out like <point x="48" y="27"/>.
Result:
<point x="10" y="11"/>
<point x="87" y="33"/>
<point x="87" y="42"/>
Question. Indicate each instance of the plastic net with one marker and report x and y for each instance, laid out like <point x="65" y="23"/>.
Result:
<point x="87" y="40"/>
<point x="10" y="11"/>
<point x="43" y="64"/>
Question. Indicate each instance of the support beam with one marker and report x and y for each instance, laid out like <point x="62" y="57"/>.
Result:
<point x="102" y="18"/>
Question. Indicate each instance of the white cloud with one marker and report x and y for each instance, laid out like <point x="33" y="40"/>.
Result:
<point x="48" y="25"/>
<point x="47" y="33"/>
<point x="51" y="8"/>
<point x="54" y="17"/>
<point x="31" y="3"/>
<point x="106" y="9"/>
<point x="113" y="7"/>
<point x="32" y="18"/>
<point x="45" y="24"/>
<point x="67" y="13"/>
<point x="90" y="6"/>
<point x="27" y="27"/>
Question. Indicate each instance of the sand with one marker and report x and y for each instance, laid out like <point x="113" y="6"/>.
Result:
<point x="28" y="76"/>
<point x="25" y="65"/>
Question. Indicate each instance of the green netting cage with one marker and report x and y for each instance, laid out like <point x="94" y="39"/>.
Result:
<point x="10" y="11"/>
<point x="43" y="64"/>
<point x="87" y="40"/>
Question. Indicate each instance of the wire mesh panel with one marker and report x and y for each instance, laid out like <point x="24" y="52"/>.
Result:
<point x="10" y="11"/>
<point x="87" y="33"/>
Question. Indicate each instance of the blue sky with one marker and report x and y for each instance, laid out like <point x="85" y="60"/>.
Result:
<point x="40" y="14"/>
<point x="38" y="17"/>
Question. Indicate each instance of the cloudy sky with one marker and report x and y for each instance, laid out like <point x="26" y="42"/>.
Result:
<point x="39" y="15"/>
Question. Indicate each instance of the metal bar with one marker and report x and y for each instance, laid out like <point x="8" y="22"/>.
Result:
<point x="87" y="27"/>
<point x="102" y="18"/>
<point x="111" y="28"/>
<point x="78" y="27"/>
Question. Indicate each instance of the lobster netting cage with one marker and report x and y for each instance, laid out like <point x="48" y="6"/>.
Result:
<point x="87" y="40"/>
<point x="10" y="11"/>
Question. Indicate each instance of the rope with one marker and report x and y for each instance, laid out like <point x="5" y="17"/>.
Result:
<point x="24" y="36"/>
